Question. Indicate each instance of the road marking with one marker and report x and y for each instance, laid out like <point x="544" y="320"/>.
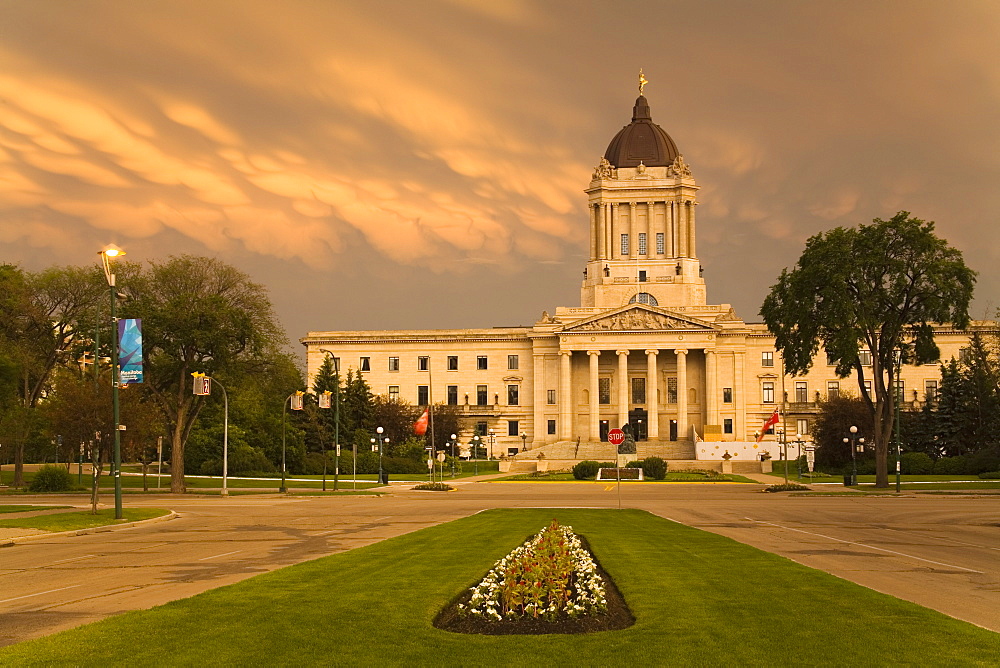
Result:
<point x="609" y="488"/>
<point x="870" y="547"/>
<point x="63" y="561"/>
<point x="41" y="593"/>
<point x="225" y="554"/>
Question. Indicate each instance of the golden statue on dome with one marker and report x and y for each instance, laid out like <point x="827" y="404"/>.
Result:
<point x="642" y="81"/>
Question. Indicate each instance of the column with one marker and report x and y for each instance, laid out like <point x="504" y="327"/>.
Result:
<point x="609" y="232"/>
<point x="616" y="232"/>
<point x="682" y="395"/>
<point x="594" y="232"/>
<point x="739" y="395"/>
<point x="671" y="229"/>
<point x="632" y="227"/>
<point x="565" y="395"/>
<point x="711" y="389"/>
<point x="622" y="387"/>
<point x="652" y="407"/>
<point x="682" y="229"/>
<point x="539" y="384"/>
<point x="691" y="228"/>
<point x="595" y="407"/>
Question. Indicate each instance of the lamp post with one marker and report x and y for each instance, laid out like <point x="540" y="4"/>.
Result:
<point x="784" y="449"/>
<point x="454" y="438"/>
<point x="106" y="256"/>
<point x="294" y="400"/>
<point x="323" y="401"/>
<point x="336" y="424"/>
<point x="475" y="453"/>
<point x="798" y="455"/>
<point x="379" y="431"/>
<point x="854" y="459"/>
<point x="202" y="387"/>
<point x="493" y="442"/>
<point x="524" y="438"/>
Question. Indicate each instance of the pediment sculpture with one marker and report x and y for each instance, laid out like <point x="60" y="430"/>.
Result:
<point x="636" y="319"/>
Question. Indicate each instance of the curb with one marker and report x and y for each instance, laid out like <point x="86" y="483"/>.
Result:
<point x="4" y="542"/>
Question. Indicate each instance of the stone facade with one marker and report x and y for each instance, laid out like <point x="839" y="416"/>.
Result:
<point x="643" y="348"/>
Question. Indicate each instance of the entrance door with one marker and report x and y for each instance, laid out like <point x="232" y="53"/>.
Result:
<point x="673" y="430"/>
<point x="639" y="423"/>
<point x="605" y="428"/>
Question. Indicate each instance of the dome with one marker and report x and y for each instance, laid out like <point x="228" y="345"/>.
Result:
<point x="641" y="141"/>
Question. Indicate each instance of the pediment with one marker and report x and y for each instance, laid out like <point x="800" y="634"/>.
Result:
<point x="639" y="318"/>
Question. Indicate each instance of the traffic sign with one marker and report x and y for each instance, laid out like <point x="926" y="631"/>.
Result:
<point x="616" y="437"/>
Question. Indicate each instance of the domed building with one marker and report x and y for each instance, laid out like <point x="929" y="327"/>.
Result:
<point x="693" y="381"/>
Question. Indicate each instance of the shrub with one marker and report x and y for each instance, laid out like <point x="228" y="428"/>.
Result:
<point x="654" y="467"/>
<point x="950" y="465"/>
<point x="987" y="459"/>
<point x="916" y="463"/>
<point x="434" y="486"/>
<point x="586" y="470"/>
<point x="990" y="475"/>
<point x="51" y="479"/>
<point x="790" y="487"/>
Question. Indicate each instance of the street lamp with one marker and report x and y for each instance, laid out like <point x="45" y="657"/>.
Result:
<point x="107" y="255"/>
<point x="475" y="452"/>
<point x="379" y="431"/>
<point x="294" y="400"/>
<point x="854" y="459"/>
<point x="798" y="455"/>
<point x="336" y="424"/>
<point x="203" y="389"/>
<point x="524" y="438"/>
<point x="784" y="449"/>
<point x="454" y="438"/>
<point x="493" y="442"/>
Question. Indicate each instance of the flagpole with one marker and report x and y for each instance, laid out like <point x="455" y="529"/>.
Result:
<point x="430" y="414"/>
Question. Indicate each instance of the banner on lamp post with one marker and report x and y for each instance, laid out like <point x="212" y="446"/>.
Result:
<point x="130" y="350"/>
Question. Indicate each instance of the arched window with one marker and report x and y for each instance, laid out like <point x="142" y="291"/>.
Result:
<point x="643" y="298"/>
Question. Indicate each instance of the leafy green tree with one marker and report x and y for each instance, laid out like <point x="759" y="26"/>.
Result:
<point x="199" y="314"/>
<point x="833" y="424"/>
<point x="878" y="286"/>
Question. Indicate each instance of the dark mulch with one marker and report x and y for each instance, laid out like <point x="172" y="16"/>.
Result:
<point x="617" y="617"/>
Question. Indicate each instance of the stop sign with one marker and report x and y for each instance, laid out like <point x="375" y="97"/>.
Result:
<point x="616" y="437"/>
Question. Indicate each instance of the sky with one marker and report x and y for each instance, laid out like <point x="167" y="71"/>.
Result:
<point x="408" y="165"/>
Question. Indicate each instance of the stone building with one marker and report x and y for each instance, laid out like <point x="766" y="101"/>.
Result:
<point x="692" y="379"/>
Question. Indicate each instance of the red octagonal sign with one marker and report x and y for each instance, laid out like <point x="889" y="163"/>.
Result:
<point x="616" y="437"/>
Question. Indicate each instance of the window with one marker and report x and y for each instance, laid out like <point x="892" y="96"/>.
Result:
<point x="481" y="395"/>
<point x="672" y="390"/>
<point x="452" y="362"/>
<point x="512" y="428"/>
<point x="423" y="363"/>
<point x="767" y="392"/>
<point x="642" y="243"/>
<point x="830" y="361"/>
<point x="482" y="363"/>
<point x="660" y="247"/>
<point x="727" y="426"/>
<point x="365" y="364"/>
<point x="767" y="358"/>
<point x="642" y="276"/>
<point x="963" y="355"/>
<point x="930" y="390"/>
<point x="552" y="426"/>
<point x="801" y="391"/>
<point x="512" y="395"/>
<point x="453" y="395"/>
<point x="727" y="395"/>
<point x="550" y="397"/>
<point x="638" y="390"/>
<point x="900" y="390"/>
<point x="511" y="361"/>
<point x="801" y="426"/>
<point x="393" y="364"/>
<point x="643" y="298"/>
<point x="604" y="391"/>
<point x="423" y="395"/>
<point x="832" y="389"/>
<point x="394" y="393"/>
<point x="865" y="357"/>
<point x="868" y="387"/>
<point x="624" y="244"/>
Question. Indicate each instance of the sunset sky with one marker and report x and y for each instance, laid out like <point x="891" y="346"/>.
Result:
<point x="404" y="165"/>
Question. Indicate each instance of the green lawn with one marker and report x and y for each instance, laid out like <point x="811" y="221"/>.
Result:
<point x="81" y="519"/>
<point x="672" y="476"/>
<point x="698" y="598"/>
<point x="28" y="509"/>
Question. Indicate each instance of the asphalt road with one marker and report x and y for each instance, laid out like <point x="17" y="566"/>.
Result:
<point x="942" y="552"/>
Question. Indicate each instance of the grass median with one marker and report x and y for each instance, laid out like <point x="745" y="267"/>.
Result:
<point x="698" y="599"/>
<point x="83" y="519"/>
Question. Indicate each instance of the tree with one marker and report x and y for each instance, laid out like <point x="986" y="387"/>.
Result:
<point x="199" y="314"/>
<point x="880" y="286"/>
<point x="833" y="423"/>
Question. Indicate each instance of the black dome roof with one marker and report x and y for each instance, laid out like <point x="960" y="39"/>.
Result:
<point x="642" y="140"/>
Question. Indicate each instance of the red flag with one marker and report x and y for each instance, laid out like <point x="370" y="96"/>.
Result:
<point x="420" y="426"/>
<point x="768" y="423"/>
